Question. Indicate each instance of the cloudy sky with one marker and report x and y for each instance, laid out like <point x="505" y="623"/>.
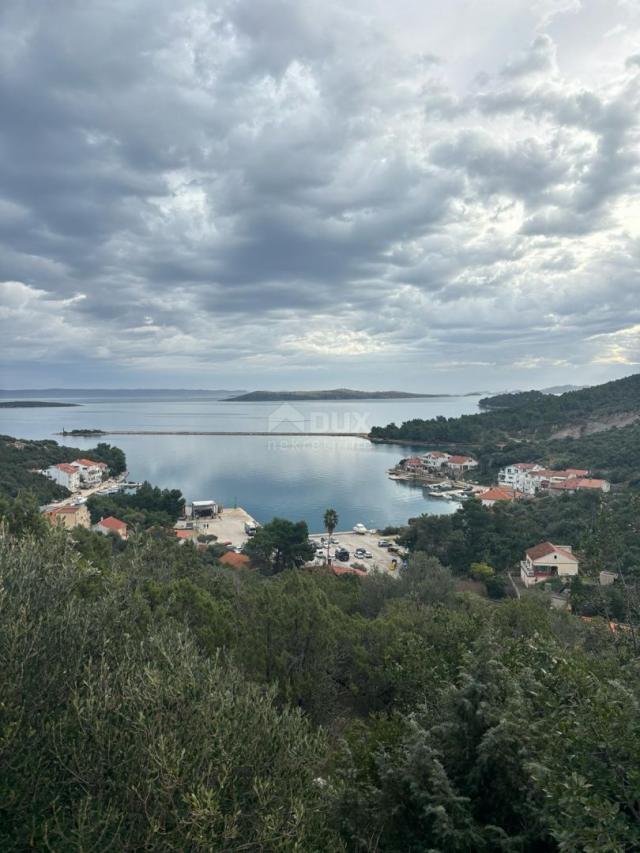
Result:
<point x="309" y="193"/>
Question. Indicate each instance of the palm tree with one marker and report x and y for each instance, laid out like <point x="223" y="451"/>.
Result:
<point x="330" y="524"/>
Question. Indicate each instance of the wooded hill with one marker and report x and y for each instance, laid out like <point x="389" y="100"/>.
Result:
<point x="332" y="394"/>
<point x="530" y="415"/>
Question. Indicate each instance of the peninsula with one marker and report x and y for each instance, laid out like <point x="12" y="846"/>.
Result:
<point x="332" y="394"/>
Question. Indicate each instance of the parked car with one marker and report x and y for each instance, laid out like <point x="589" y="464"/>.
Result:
<point x="343" y="555"/>
<point x="393" y="549"/>
<point x="367" y="555"/>
<point x="359" y="552"/>
<point x="384" y="543"/>
<point x="320" y="554"/>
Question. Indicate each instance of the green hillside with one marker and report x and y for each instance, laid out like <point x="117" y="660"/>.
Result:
<point x="530" y="415"/>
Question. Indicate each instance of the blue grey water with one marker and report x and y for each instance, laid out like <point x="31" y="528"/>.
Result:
<point x="295" y="477"/>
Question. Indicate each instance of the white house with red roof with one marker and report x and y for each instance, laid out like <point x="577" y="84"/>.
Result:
<point x="90" y="472"/>
<point x="414" y="465"/>
<point x="530" y="478"/>
<point x="546" y="561"/>
<point x="497" y="494"/>
<point x="458" y="464"/>
<point x="65" y="475"/>
<point x="111" y="525"/>
<point x="435" y="459"/>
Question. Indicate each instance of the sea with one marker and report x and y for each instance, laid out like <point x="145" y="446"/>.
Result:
<point x="295" y="476"/>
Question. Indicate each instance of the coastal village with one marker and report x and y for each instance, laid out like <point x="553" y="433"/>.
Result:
<point x="445" y="476"/>
<point x="450" y="477"/>
<point x="206" y="522"/>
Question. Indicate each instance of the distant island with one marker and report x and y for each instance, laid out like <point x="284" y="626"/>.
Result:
<point x="332" y="394"/>
<point x="33" y="404"/>
<point x="150" y="394"/>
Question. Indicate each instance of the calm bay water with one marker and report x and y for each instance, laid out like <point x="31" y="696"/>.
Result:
<point x="295" y="477"/>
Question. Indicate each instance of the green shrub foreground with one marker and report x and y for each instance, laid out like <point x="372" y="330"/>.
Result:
<point x="153" y="703"/>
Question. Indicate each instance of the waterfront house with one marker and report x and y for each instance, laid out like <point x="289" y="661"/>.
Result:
<point x="111" y="525"/>
<point x="435" y="459"/>
<point x="546" y="561"/>
<point x="413" y="465"/>
<point x="64" y="475"/>
<point x="459" y="464"/>
<point x="497" y="494"/>
<point x="68" y="516"/>
<point x="90" y="472"/>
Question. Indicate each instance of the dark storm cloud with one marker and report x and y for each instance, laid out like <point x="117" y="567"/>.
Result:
<point x="188" y="184"/>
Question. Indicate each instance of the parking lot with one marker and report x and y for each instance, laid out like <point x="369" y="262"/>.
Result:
<point x="380" y="559"/>
<point x="228" y="526"/>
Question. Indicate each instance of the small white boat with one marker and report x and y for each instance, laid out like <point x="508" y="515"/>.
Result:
<point x="360" y="528"/>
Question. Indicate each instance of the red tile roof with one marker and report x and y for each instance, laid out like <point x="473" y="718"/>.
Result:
<point x="578" y="483"/>
<point x="184" y="534"/>
<point x="546" y="548"/>
<point x="565" y="485"/>
<point x="86" y="462"/>
<point x="346" y="570"/>
<point x="236" y="561"/>
<point x="68" y="469"/>
<point x="459" y="460"/>
<point x="56" y="510"/>
<point x="112" y="523"/>
<point x="591" y="484"/>
<point x="498" y="493"/>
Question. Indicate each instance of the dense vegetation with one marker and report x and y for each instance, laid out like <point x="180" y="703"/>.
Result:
<point x="511" y="401"/>
<point x="148" y="506"/>
<point x="20" y="459"/>
<point x="537" y="417"/>
<point x="153" y="700"/>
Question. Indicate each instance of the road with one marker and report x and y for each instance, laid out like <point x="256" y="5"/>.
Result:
<point x="86" y="493"/>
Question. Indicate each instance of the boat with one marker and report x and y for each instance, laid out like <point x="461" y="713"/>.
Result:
<point x="360" y="528"/>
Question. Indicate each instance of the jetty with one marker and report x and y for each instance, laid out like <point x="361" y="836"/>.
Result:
<point x="269" y="433"/>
